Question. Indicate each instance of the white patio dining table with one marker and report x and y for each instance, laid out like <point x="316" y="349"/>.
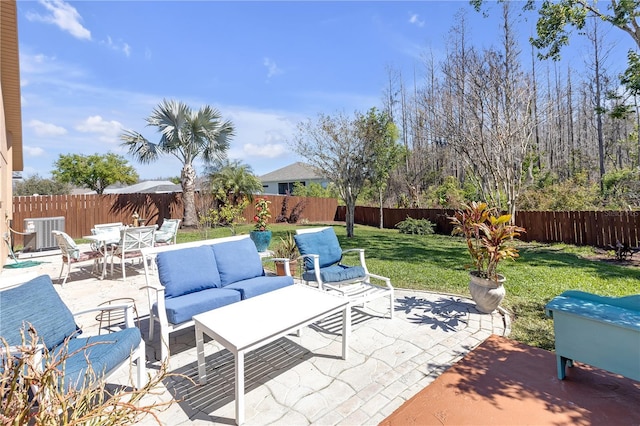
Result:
<point x="103" y="240"/>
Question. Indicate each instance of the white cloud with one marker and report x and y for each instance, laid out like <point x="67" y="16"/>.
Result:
<point x="272" y="68"/>
<point x="38" y="68"/>
<point x="266" y="150"/>
<point x="33" y="151"/>
<point x="119" y="47"/>
<point x="34" y="63"/>
<point x="46" y="129"/>
<point x="64" y="16"/>
<point x="415" y="20"/>
<point x="108" y="131"/>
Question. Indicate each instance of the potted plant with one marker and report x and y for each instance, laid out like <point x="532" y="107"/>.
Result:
<point x="286" y="249"/>
<point x="488" y="237"/>
<point x="260" y="235"/>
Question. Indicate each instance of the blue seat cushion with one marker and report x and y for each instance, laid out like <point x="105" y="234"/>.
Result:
<point x="336" y="273"/>
<point x="260" y="285"/>
<point x="323" y="243"/>
<point x="237" y="260"/>
<point x="187" y="270"/>
<point x="35" y="302"/>
<point x="104" y="353"/>
<point x="183" y="308"/>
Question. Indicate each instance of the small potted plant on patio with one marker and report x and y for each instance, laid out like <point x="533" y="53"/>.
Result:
<point x="286" y="249"/>
<point x="260" y="235"/>
<point x="488" y="237"/>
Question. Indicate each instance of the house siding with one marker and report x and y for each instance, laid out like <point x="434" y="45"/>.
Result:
<point x="10" y="117"/>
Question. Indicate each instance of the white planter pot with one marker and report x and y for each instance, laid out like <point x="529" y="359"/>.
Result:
<point x="487" y="294"/>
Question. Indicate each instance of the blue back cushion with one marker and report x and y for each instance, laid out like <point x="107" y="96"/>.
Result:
<point x="35" y="302"/>
<point x="187" y="270"/>
<point x="323" y="243"/>
<point x="237" y="260"/>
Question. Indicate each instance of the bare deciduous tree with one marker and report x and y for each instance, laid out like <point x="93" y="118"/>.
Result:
<point x="336" y="148"/>
<point x="488" y="116"/>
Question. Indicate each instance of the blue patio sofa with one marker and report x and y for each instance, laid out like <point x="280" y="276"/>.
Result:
<point x="196" y="277"/>
<point x="35" y="303"/>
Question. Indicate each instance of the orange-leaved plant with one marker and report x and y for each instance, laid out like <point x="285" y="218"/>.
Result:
<point x="488" y="235"/>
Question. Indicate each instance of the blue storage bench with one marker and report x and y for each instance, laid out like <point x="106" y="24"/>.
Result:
<point x="600" y="331"/>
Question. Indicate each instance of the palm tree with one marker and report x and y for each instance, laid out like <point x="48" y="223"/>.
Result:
<point x="187" y="135"/>
<point x="231" y="181"/>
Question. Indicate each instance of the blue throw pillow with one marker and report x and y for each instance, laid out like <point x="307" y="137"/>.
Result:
<point x="323" y="243"/>
<point x="187" y="270"/>
<point x="237" y="260"/>
<point x="35" y="302"/>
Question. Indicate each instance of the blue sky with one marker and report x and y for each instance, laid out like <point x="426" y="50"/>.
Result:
<point x="90" y="69"/>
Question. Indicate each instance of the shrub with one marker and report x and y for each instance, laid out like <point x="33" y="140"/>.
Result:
<point x="294" y="216"/>
<point x="415" y="226"/>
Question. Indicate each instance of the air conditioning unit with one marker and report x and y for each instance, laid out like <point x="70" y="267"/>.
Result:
<point x="38" y="233"/>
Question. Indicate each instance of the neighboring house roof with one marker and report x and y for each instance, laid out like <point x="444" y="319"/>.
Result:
<point x="294" y="172"/>
<point x="146" y="187"/>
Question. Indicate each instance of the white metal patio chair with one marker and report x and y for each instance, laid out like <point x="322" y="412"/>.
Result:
<point x="71" y="254"/>
<point x="107" y="228"/>
<point x="131" y="241"/>
<point x="322" y="254"/>
<point x="168" y="231"/>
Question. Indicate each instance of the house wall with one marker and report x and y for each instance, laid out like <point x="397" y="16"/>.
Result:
<point x="10" y="117"/>
<point x="271" y="188"/>
<point x="5" y="183"/>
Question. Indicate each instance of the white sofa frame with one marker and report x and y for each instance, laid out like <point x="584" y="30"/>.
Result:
<point x="155" y="290"/>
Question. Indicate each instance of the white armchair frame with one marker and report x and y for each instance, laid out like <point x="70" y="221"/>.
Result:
<point x="72" y="254"/>
<point x="166" y="238"/>
<point x="138" y="355"/>
<point x="359" y="290"/>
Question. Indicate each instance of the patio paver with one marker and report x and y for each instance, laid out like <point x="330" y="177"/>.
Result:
<point x="300" y="379"/>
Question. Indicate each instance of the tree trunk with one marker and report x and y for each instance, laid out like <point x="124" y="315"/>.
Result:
<point x="381" y="209"/>
<point x="351" y="210"/>
<point x="188" y="181"/>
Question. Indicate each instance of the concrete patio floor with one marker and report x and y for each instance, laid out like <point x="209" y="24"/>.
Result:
<point x="297" y="380"/>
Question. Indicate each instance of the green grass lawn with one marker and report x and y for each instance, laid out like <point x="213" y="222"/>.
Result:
<point x="437" y="263"/>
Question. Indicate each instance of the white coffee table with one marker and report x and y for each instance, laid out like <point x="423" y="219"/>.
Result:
<point x="255" y="322"/>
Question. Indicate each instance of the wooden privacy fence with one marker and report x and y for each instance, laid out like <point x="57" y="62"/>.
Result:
<point x="584" y="228"/>
<point x="587" y="228"/>
<point x="590" y="228"/>
<point x="81" y="212"/>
